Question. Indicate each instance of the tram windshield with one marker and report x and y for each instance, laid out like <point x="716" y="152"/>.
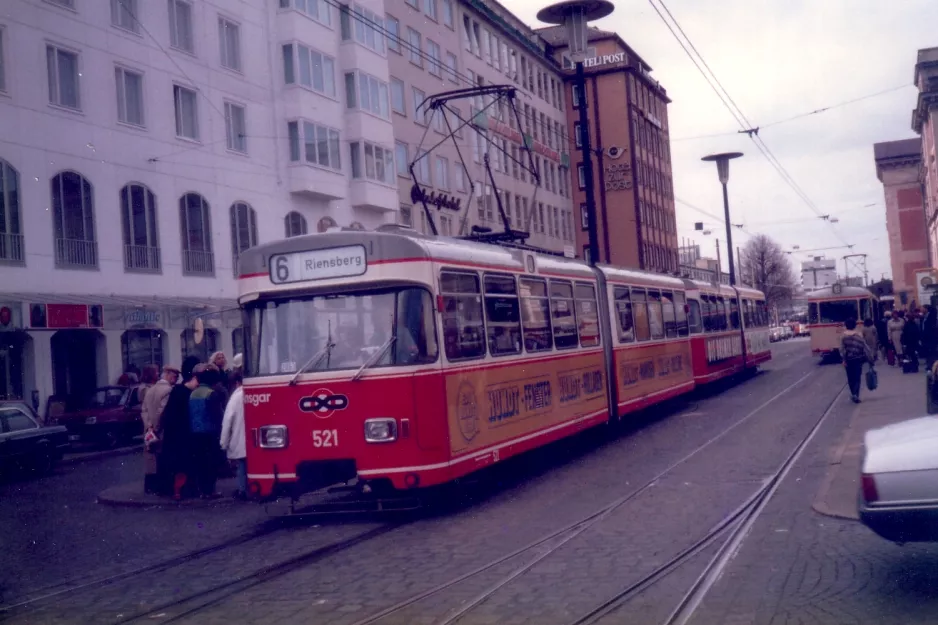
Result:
<point x="834" y="311"/>
<point x="285" y="333"/>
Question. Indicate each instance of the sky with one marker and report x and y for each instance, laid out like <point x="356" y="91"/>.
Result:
<point x="778" y="59"/>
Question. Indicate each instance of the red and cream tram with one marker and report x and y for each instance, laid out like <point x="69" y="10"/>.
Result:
<point x="829" y="308"/>
<point x="405" y="361"/>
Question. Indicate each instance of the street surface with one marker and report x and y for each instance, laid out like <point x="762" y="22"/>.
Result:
<point x="794" y="565"/>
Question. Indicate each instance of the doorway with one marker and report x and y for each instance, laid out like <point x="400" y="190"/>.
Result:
<point x="11" y="364"/>
<point x="75" y="361"/>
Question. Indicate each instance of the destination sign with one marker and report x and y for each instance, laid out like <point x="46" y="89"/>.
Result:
<point x="335" y="262"/>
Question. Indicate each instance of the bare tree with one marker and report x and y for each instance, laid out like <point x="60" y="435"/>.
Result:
<point x="766" y="267"/>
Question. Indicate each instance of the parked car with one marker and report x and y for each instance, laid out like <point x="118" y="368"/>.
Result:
<point x="108" y="416"/>
<point x="775" y="334"/>
<point x="898" y="496"/>
<point x="25" y="442"/>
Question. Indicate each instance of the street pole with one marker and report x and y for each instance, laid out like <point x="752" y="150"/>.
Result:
<point x="587" y="157"/>
<point x="729" y="234"/>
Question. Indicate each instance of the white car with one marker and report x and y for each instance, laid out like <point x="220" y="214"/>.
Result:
<point x="898" y="496"/>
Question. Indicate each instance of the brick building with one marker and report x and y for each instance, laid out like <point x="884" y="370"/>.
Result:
<point x="925" y="123"/>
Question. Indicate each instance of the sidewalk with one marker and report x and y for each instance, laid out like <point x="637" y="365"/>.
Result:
<point x="899" y="397"/>
<point x="131" y="495"/>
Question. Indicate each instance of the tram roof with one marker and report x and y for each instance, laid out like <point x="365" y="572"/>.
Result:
<point x="846" y="292"/>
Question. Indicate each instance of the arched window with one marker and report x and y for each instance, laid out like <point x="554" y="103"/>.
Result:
<point x="141" y="348"/>
<point x="138" y="220"/>
<point x="201" y="350"/>
<point x="73" y="221"/>
<point x="11" y="230"/>
<point x="295" y="224"/>
<point x="325" y="223"/>
<point x="195" y="223"/>
<point x="243" y="230"/>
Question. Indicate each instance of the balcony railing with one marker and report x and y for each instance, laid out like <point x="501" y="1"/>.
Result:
<point x="142" y="258"/>
<point x="76" y="253"/>
<point x="12" y="248"/>
<point x="199" y="263"/>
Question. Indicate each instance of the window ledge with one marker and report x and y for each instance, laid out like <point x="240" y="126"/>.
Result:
<point x="66" y="109"/>
<point x="135" y="127"/>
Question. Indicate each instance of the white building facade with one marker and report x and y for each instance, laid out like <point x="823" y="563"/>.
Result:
<point x="818" y="274"/>
<point x="143" y="145"/>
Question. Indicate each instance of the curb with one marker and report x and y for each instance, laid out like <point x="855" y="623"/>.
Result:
<point x="185" y="504"/>
<point x="97" y="455"/>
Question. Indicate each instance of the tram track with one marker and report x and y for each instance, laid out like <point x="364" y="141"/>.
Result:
<point x="577" y="528"/>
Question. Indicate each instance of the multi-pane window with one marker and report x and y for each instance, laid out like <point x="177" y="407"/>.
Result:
<point x="235" y="127"/>
<point x="452" y="67"/>
<point x="124" y="15"/>
<point x="319" y="145"/>
<point x="398" y="99"/>
<point x="366" y="93"/>
<point x="307" y="67"/>
<point x="229" y="38"/>
<point x="63" y="77"/>
<point x="448" y="12"/>
<point x="366" y="27"/>
<point x="73" y="221"/>
<point x="433" y="53"/>
<point x="180" y="25"/>
<point x="372" y="162"/>
<point x="129" y="96"/>
<point x="502" y="315"/>
<point x="414" y="43"/>
<point x="422" y="168"/>
<point x="441" y="172"/>
<point x="460" y="177"/>
<point x="393" y="26"/>
<point x="196" y="230"/>
<point x="243" y="220"/>
<point x="11" y="233"/>
<point x="295" y="224"/>
<point x="187" y="112"/>
<point x="420" y="114"/>
<point x="463" y="325"/>
<point x="138" y="221"/>
<point x="317" y="9"/>
<point x="429" y="8"/>
<point x="535" y="315"/>
<point x="402" y="158"/>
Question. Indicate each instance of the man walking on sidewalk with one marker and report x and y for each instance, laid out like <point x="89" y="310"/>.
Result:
<point x="856" y="353"/>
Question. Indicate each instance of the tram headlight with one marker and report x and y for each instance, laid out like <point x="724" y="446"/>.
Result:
<point x="273" y="436"/>
<point x="382" y="430"/>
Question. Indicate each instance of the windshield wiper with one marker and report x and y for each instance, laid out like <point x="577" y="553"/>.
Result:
<point x="314" y="361"/>
<point x="374" y="358"/>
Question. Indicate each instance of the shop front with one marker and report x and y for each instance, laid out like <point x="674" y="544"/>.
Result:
<point x="14" y="343"/>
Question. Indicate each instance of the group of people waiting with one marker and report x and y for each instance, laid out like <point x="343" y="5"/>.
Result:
<point x="193" y="417"/>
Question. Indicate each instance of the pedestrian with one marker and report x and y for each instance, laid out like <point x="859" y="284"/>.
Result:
<point x="221" y="363"/>
<point x="175" y="458"/>
<point x="910" y="338"/>
<point x="883" y="334"/>
<point x="870" y="336"/>
<point x="894" y="330"/>
<point x="856" y="353"/>
<point x="206" y="411"/>
<point x="130" y="376"/>
<point x="154" y="403"/>
<point x="232" y="433"/>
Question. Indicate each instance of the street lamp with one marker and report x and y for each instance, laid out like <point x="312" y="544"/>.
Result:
<point x="723" y="170"/>
<point x="574" y="16"/>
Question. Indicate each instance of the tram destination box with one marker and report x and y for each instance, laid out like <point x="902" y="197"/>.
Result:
<point x="334" y="262"/>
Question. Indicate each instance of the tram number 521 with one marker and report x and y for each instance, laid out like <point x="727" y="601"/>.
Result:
<point x="325" y="438"/>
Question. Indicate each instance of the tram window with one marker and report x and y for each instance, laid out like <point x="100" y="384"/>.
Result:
<point x="416" y="341"/>
<point x="586" y="314"/>
<point x="762" y="314"/>
<point x="734" y="313"/>
<point x="747" y="313"/>
<point x="838" y="311"/>
<point x="562" y="316"/>
<point x="640" y="310"/>
<point x="502" y="315"/>
<point x="463" y="328"/>
<point x="694" y="320"/>
<point x="655" y="320"/>
<point x="624" y="314"/>
<point x="866" y="311"/>
<point x="706" y="312"/>
<point x="667" y="310"/>
<point x="680" y="313"/>
<point x="813" y="316"/>
<point x="535" y="315"/>
<point x="720" y="313"/>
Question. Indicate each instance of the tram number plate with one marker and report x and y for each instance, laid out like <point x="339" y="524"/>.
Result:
<point x="336" y="262"/>
<point x="325" y="438"/>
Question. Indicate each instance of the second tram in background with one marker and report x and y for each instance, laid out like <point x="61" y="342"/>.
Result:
<point x="399" y="360"/>
<point x="829" y="308"/>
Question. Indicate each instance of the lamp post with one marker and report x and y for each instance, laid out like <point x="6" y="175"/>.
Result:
<point x="574" y="16"/>
<point x="723" y="170"/>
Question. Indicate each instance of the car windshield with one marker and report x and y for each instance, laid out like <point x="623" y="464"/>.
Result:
<point x="285" y="333"/>
<point x="833" y="312"/>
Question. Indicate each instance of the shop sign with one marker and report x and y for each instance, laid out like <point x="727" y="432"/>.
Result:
<point x="11" y="316"/>
<point x="605" y="59"/>
<point x="143" y="318"/>
<point x="618" y="176"/>
<point x="485" y="122"/>
<point x="66" y="316"/>
<point x="439" y="200"/>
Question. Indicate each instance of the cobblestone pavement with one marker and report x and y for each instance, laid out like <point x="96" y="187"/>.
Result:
<point x="536" y="495"/>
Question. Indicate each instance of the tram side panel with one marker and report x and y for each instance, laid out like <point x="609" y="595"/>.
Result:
<point x="648" y="374"/>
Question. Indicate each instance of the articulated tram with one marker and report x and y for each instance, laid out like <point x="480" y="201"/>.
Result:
<point x="404" y="361"/>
